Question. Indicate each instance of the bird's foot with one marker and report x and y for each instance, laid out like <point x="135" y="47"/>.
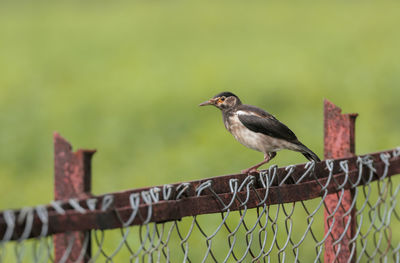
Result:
<point x="250" y="170"/>
<point x="253" y="169"/>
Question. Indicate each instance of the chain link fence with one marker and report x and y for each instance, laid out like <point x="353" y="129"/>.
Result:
<point x="256" y="221"/>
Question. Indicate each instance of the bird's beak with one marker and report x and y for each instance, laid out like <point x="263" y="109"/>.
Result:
<point x="208" y="102"/>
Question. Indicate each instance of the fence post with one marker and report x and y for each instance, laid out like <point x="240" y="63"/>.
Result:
<point x="339" y="141"/>
<point x="72" y="179"/>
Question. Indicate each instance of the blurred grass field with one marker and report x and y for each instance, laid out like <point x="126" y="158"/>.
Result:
<point x="126" y="78"/>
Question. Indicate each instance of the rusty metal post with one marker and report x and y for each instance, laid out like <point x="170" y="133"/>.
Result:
<point x="339" y="141"/>
<point x="72" y="179"/>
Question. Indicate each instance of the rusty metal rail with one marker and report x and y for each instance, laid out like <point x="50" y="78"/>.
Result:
<point x="282" y="189"/>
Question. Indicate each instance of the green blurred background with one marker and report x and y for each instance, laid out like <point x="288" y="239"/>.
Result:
<point x="125" y="78"/>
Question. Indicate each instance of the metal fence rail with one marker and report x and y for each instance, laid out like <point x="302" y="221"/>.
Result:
<point x="339" y="210"/>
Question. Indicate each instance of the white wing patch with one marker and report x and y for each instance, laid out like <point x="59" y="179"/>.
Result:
<point x="257" y="141"/>
<point x="241" y="112"/>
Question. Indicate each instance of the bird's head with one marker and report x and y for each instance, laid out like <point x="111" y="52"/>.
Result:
<point x="223" y="101"/>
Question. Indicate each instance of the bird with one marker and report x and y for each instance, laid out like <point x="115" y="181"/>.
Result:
<point x="257" y="129"/>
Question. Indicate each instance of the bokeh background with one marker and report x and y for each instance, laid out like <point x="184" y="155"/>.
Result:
<point x="125" y="78"/>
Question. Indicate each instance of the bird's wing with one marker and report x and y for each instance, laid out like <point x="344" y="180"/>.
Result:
<point x="263" y="122"/>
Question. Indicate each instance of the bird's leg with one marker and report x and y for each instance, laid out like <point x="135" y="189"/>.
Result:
<point x="267" y="158"/>
<point x="271" y="155"/>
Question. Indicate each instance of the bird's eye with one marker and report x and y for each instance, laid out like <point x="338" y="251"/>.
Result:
<point x="222" y="98"/>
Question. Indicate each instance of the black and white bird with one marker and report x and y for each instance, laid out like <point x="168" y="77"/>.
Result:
<point x="257" y="129"/>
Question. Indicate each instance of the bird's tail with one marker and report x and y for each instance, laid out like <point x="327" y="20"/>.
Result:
<point x="310" y="155"/>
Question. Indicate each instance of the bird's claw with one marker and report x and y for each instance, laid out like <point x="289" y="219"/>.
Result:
<point x="249" y="171"/>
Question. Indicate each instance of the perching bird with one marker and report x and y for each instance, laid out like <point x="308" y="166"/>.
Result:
<point x="257" y="129"/>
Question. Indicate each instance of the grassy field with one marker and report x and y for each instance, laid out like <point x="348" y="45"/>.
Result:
<point x="126" y="78"/>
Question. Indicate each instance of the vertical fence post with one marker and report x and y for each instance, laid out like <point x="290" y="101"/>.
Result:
<point x="339" y="142"/>
<point x="72" y="179"/>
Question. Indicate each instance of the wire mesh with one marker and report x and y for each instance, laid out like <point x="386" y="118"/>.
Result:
<point x="283" y="232"/>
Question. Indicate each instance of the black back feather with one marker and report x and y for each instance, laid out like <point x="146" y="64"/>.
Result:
<point x="265" y="123"/>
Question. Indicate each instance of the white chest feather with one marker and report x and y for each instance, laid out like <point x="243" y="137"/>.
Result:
<point x="256" y="141"/>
